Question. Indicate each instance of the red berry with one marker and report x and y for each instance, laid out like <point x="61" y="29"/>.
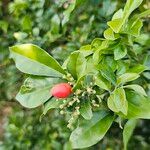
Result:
<point x="61" y="90"/>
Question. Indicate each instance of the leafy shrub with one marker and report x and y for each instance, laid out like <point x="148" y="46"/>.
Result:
<point x="108" y="77"/>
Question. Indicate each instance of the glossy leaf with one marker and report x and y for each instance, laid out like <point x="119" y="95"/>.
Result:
<point x="90" y="132"/>
<point x="78" y="83"/>
<point x="127" y="77"/>
<point x="130" y="6"/>
<point x="128" y="131"/>
<point x="147" y="61"/>
<point x="108" y="73"/>
<point x="86" y="110"/>
<point x="35" y="91"/>
<point x="97" y="57"/>
<point x="96" y="43"/>
<point x="138" y="68"/>
<point x="136" y="88"/>
<point x="76" y="65"/>
<point x="138" y="106"/>
<point x="52" y="103"/>
<point x="109" y="34"/>
<point x="122" y="67"/>
<point x="90" y="67"/>
<point x="118" y="14"/>
<point x="109" y="61"/>
<point x="116" y="24"/>
<point x="117" y="101"/>
<point x="135" y="28"/>
<point x="86" y="50"/>
<point x="31" y="59"/>
<point x="120" y="52"/>
<point x="102" y="82"/>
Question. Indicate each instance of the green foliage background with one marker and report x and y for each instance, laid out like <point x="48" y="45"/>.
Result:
<point x="38" y="22"/>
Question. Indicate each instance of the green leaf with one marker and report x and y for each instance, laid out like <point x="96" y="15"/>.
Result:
<point x="147" y="61"/>
<point x="130" y="6"/>
<point x="90" y="67"/>
<point x="26" y="23"/>
<point x="143" y="39"/>
<point x="119" y="52"/>
<point x="143" y="14"/>
<point x="146" y="75"/>
<point x="109" y="34"/>
<point x="108" y="73"/>
<point x="67" y="146"/>
<point x="4" y="25"/>
<point x="134" y="28"/>
<point x="52" y="103"/>
<point x="102" y="82"/>
<point x="97" y="56"/>
<point x="138" y="106"/>
<point x="35" y="91"/>
<point x="117" y="101"/>
<point x="96" y="43"/>
<point x="136" y="88"/>
<point x="122" y="67"/>
<point x="67" y="12"/>
<point x="88" y="79"/>
<point x="116" y="24"/>
<point x="109" y="61"/>
<point x="99" y="46"/>
<point x="128" y="131"/>
<point x="108" y="8"/>
<point x="118" y="14"/>
<point x="138" y="68"/>
<point x="127" y="77"/>
<point x="31" y="59"/>
<point x="90" y="132"/>
<point x="78" y="83"/>
<point x="76" y="64"/>
<point x="85" y="47"/>
<point x="86" y="50"/>
<point x="86" y="110"/>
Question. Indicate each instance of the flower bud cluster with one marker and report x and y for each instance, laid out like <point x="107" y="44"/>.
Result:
<point x="72" y="103"/>
<point x="69" y="78"/>
<point x="73" y="118"/>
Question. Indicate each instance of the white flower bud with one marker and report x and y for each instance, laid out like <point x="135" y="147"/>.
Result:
<point x="70" y="103"/>
<point x="64" y="101"/>
<point x="94" y="92"/>
<point x="62" y="112"/>
<point x="78" y="101"/>
<point x="61" y="106"/>
<point x="78" y="91"/>
<point x="69" y="126"/>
